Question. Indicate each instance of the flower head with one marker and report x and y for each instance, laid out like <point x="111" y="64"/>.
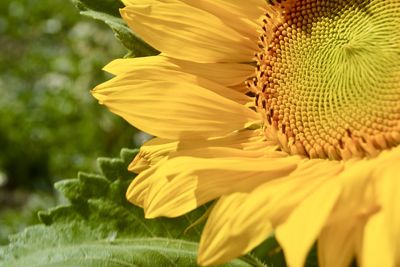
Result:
<point x="286" y="113"/>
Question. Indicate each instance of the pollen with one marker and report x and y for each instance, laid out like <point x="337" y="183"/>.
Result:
<point x="327" y="79"/>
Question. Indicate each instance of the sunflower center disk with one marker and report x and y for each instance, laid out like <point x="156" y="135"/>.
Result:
<point x="328" y="81"/>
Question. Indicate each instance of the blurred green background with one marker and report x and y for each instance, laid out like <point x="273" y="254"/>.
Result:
<point x="50" y="125"/>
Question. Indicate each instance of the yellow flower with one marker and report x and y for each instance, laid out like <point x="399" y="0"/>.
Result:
<point x="287" y="113"/>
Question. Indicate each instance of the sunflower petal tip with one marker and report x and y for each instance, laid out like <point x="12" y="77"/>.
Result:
<point x="99" y="97"/>
<point x="154" y="210"/>
<point x="129" y="197"/>
<point x="138" y="164"/>
<point x="149" y="215"/>
<point x="202" y="259"/>
<point x="122" y="10"/>
<point x="200" y="262"/>
<point x="131" y="194"/>
<point x="209" y="258"/>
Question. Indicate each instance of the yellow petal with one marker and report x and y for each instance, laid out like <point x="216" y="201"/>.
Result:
<point x="250" y="217"/>
<point x="357" y="199"/>
<point x="184" y="183"/>
<point x="227" y="74"/>
<point x="359" y="205"/>
<point x="218" y="245"/>
<point x="382" y="231"/>
<point x="250" y="142"/>
<point x="337" y="244"/>
<point x="152" y="152"/>
<point x="247" y="140"/>
<point x="158" y="68"/>
<point x="339" y="241"/>
<point x="200" y="37"/>
<point x="138" y="189"/>
<point x="153" y="106"/>
<point x="238" y="14"/>
<point x="299" y="232"/>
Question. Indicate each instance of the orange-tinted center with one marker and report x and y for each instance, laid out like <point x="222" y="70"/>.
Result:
<point x="328" y="77"/>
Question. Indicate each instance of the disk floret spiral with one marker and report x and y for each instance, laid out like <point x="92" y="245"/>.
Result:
<point x="328" y="77"/>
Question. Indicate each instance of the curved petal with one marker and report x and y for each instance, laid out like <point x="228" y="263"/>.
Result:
<point x="299" y="232"/>
<point x="152" y="152"/>
<point x="359" y="205"/>
<point x="159" y="68"/>
<point x="382" y="232"/>
<point x="214" y="246"/>
<point x="153" y="106"/>
<point x="238" y="14"/>
<point x="200" y="36"/>
<point x="183" y="183"/>
<point x="253" y="214"/>
<point x="337" y="244"/>
<point x="339" y="240"/>
<point x="247" y="142"/>
<point x="139" y="187"/>
<point x="227" y="74"/>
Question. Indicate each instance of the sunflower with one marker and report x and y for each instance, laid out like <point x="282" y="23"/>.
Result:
<point x="285" y="113"/>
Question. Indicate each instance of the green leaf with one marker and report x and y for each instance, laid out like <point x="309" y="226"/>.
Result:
<point x="108" y="12"/>
<point x="134" y="252"/>
<point x="270" y="252"/>
<point x="143" y="252"/>
<point x="100" y="228"/>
